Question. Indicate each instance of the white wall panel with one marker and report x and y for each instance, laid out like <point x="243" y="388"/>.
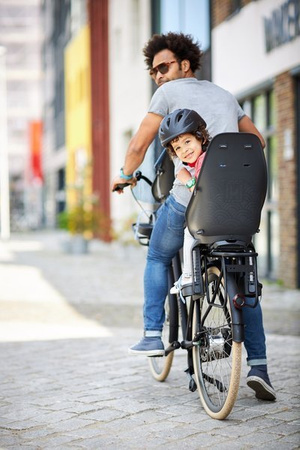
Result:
<point x="130" y="85"/>
<point x="239" y="57"/>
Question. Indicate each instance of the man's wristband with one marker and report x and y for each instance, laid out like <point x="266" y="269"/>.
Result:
<point x="125" y="177"/>
<point x="191" y="183"/>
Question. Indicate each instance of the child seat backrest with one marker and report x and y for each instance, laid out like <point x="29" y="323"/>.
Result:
<point x="230" y="191"/>
<point x="164" y="179"/>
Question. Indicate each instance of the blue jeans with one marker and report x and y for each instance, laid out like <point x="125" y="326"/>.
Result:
<point x="166" y="240"/>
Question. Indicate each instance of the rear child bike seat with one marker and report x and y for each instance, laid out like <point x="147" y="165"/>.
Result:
<point x="230" y="191"/>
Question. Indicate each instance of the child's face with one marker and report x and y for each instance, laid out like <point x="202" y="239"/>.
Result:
<point x="187" y="147"/>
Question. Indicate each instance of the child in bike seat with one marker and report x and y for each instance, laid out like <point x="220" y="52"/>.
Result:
<point x="183" y="133"/>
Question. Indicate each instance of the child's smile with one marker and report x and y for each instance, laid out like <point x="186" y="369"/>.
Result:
<point x="187" y="147"/>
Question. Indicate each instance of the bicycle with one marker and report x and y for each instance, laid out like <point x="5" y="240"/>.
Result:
<point x="225" y="278"/>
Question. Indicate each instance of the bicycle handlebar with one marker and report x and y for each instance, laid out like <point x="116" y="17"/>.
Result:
<point x="121" y="186"/>
<point x="138" y="176"/>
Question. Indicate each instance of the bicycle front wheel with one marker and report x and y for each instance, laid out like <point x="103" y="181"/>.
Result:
<point x="216" y="357"/>
<point x="160" y="366"/>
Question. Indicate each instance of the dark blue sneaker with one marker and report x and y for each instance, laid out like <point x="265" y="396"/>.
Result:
<point x="148" y="346"/>
<point x="258" y="380"/>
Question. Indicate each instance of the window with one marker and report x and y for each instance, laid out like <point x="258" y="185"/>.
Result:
<point x="187" y="16"/>
<point x="261" y="108"/>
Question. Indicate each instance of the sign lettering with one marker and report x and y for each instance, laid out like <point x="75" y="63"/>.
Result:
<point x="283" y="25"/>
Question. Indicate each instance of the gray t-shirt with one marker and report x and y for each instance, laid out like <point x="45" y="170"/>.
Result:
<point x="218" y="107"/>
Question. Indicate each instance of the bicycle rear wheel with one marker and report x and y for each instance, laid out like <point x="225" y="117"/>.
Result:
<point x="160" y="366"/>
<point x="216" y="357"/>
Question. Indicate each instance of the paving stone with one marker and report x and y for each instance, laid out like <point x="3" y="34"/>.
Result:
<point x="68" y="382"/>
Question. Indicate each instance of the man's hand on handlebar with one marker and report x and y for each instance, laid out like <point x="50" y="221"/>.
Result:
<point x="119" y="184"/>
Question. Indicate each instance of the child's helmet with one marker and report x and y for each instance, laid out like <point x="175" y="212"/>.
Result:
<point x="179" y="122"/>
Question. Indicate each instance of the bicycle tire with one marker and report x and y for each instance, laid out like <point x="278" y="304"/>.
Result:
<point x="160" y="366"/>
<point x="216" y="358"/>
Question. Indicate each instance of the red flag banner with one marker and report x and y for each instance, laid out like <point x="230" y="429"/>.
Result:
<point x="35" y="136"/>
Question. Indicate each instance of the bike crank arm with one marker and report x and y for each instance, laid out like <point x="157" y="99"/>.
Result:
<point x="174" y="346"/>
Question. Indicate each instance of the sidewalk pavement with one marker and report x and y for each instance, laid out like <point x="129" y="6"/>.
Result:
<point x="67" y="381"/>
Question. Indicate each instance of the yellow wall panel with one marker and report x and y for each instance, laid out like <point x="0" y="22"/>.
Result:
<point x="78" y="117"/>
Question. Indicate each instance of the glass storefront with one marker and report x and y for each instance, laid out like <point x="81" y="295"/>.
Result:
<point x="262" y="109"/>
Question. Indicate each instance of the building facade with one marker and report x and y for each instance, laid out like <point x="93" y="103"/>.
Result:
<point x="256" y="56"/>
<point x="129" y="91"/>
<point x="21" y="42"/>
<point x="93" y="54"/>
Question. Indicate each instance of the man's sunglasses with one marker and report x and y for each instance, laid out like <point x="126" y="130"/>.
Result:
<point x="161" y="68"/>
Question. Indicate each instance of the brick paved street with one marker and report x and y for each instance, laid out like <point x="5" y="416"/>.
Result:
<point x="67" y="381"/>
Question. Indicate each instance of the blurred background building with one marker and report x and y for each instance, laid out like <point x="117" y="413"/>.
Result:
<point x="95" y="91"/>
<point x="256" y="56"/>
<point x="21" y="37"/>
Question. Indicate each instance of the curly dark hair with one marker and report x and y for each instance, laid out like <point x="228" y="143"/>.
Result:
<point x="201" y="134"/>
<point x="182" y="45"/>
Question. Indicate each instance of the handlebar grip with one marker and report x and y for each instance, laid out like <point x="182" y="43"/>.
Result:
<point x="120" y="186"/>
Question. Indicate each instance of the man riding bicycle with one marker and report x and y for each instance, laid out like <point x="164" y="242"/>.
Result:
<point x="172" y="60"/>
